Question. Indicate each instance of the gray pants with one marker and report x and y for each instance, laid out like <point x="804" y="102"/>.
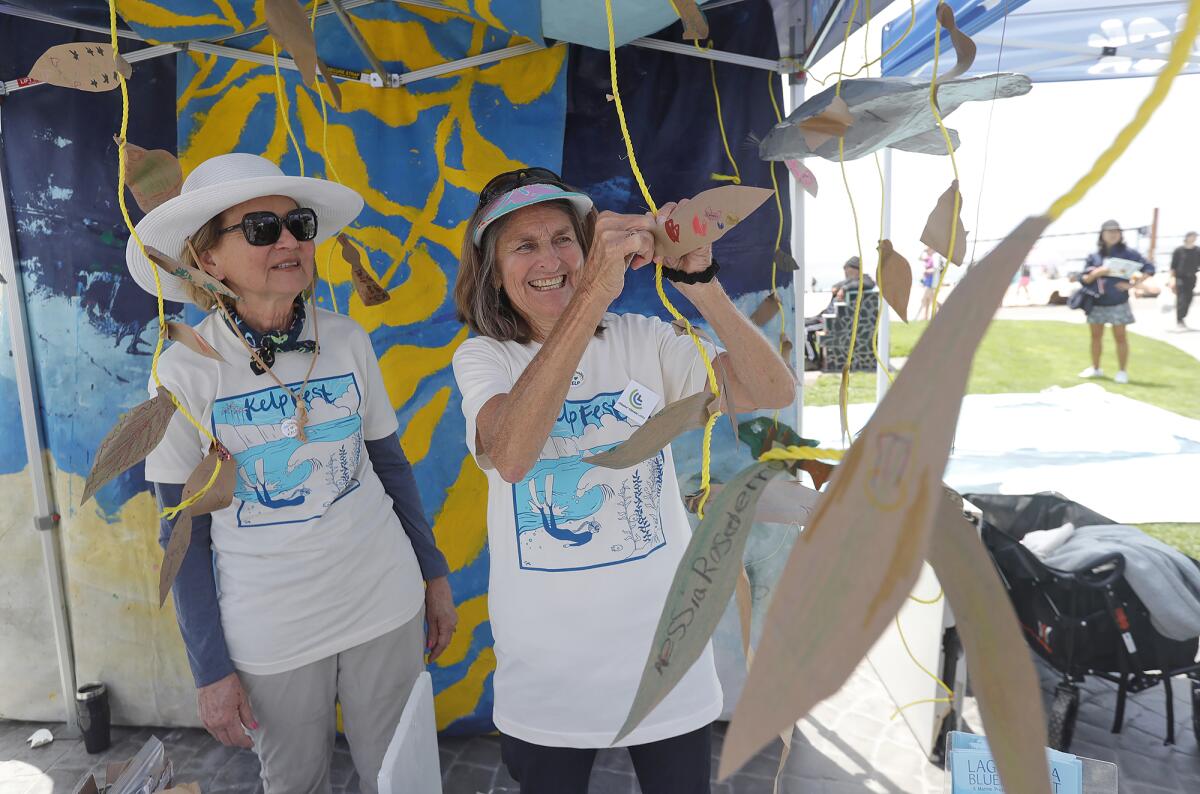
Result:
<point x="296" y="712"/>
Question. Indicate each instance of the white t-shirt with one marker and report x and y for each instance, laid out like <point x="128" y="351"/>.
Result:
<point x="582" y="557"/>
<point x="310" y="558"/>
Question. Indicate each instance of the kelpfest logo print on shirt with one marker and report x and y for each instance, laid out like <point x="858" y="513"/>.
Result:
<point x="281" y="479"/>
<point x="571" y="515"/>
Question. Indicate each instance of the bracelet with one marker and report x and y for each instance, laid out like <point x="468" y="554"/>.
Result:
<point x="700" y="277"/>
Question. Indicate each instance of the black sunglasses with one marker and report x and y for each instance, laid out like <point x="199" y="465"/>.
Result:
<point x="510" y="180"/>
<point x="264" y="228"/>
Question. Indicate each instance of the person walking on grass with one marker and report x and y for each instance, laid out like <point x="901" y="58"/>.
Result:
<point x="1112" y="271"/>
<point x="1184" y="264"/>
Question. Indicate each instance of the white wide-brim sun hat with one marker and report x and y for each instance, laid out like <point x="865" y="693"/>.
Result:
<point x="216" y="185"/>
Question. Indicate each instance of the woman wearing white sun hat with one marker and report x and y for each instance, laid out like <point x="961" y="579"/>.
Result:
<point x="306" y="590"/>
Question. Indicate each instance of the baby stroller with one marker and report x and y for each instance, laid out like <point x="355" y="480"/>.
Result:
<point x="1083" y="622"/>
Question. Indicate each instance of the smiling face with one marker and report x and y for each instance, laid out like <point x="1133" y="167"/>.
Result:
<point x="261" y="274"/>
<point x="538" y="257"/>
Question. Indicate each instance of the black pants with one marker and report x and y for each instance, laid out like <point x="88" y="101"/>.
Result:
<point x="1183" y="297"/>
<point x="679" y="765"/>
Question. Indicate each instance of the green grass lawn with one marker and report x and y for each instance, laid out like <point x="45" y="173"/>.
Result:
<point x="1185" y="537"/>
<point x="1027" y="356"/>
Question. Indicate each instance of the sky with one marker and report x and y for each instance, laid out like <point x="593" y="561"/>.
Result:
<point x="1017" y="156"/>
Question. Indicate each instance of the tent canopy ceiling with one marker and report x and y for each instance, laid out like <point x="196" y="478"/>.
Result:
<point x="806" y="29"/>
<point x="1048" y="40"/>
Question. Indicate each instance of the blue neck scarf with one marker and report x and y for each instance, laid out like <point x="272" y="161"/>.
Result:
<point x="272" y="342"/>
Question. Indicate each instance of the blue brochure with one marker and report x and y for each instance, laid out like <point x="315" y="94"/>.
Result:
<point x="973" y="771"/>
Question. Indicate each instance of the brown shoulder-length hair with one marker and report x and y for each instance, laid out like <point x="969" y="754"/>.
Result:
<point x="479" y="299"/>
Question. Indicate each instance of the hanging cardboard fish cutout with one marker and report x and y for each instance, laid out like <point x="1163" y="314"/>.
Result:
<point x="134" y="436"/>
<point x="368" y="289"/>
<point x="188" y="273"/>
<point x="881" y="503"/>
<point x="154" y="176"/>
<point x="945" y="217"/>
<point x="190" y="338"/>
<point x="804" y="176"/>
<point x="86" y="66"/>
<point x="703" y="220"/>
<point x="288" y="25"/>
<point x="894" y="277"/>
<point x="659" y="430"/>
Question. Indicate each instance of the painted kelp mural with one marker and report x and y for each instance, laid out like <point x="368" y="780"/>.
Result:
<point x="418" y="154"/>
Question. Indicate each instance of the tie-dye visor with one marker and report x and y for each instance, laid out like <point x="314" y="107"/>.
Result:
<point x="525" y="196"/>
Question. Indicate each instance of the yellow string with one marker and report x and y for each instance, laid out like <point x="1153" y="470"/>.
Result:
<point x="937" y="115"/>
<point x="801" y="453"/>
<point x="706" y="463"/>
<point x="706" y="455"/>
<point x="912" y="17"/>
<point x="883" y="306"/>
<point x="771" y="78"/>
<point x="281" y="99"/>
<point x="736" y="178"/>
<point x="1180" y="50"/>
<point x="899" y="709"/>
<point x="170" y="512"/>
<point x="904" y="640"/>
<point x="162" y="317"/>
<point x="933" y="600"/>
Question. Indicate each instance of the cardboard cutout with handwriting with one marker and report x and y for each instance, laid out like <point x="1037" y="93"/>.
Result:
<point x="830" y="605"/>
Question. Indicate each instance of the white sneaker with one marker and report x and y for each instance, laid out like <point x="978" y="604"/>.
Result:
<point x="1092" y="372"/>
<point x="1122" y="377"/>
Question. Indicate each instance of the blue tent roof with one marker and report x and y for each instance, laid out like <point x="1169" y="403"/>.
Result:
<point x="1048" y="40"/>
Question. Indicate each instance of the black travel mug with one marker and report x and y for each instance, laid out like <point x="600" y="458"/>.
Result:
<point x="91" y="704"/>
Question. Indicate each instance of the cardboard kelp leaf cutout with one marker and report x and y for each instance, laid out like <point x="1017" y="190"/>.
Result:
<point x="335" y="90"/>
<point x="695" y="26"/>
<point x="177" y="547"/>
<point x="894" y="277"/>
<point x="220" y="495"/>
<point x="154" y="176"/>
<point x="937" y="228"/>
<point x="964" y="47"/>
<point x="766" y="311"/>
<point x="999" y="666"/>
<point x="804" y="175"/>
<point x="132" y="438"/>
<point x="188" y="273"/>
<point x="190" y="338"/>
<point x="85" y="65"/>
<point x="368" y="289"/>
<point x="785" y="261"/>
<point x="832" y="122"/>
<point x="857" y="561"/>
<point x="673" y="420"/>
<point x="706" y="218"/>
<point x="700" y="591"/>
<point x="288" y="25"/>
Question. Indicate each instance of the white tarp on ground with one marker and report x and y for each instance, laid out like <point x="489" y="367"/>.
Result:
<point x="1123" y="458"/>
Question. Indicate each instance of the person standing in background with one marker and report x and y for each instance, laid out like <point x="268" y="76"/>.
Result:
<point x="927" y="277"/>
<point x="1184" y="264"/>
<point x="1104" y="270"/>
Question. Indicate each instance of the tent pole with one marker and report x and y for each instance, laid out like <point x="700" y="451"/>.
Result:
<point x="885" y="314"/>
<point x="796" y="84"/>
<point x="45" y="516"/>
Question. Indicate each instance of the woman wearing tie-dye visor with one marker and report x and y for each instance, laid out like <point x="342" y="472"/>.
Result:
<point x="582" y="556"/>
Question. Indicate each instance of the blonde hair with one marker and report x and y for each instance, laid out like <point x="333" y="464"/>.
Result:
<point x="479" y="300"/>
<point x="204" y="239"/>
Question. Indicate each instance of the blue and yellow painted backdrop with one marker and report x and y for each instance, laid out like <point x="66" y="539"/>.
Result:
<point x="418" y="155"/>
